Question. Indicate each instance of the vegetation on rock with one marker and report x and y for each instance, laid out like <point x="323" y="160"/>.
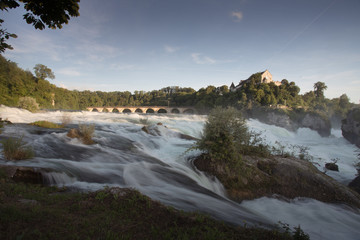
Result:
<point x="84" y="133"/>
<point x="16" y="149"/>
<point x="46" y="124"/>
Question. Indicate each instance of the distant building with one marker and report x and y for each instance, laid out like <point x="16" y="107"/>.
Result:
<point x="265" y="77"/>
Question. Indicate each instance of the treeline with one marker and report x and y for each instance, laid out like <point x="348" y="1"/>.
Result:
<point x="16" y="83"/>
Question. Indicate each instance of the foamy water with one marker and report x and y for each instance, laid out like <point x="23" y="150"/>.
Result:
<point x="157" y="165"/>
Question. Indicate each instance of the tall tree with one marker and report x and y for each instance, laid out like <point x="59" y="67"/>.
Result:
<point x="319" y="88"/>
<point x="40" y="13"/>
<point x="43" y="72"/>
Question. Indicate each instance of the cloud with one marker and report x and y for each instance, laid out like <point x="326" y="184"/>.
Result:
<point x="200" y="59"/>
<point x="170" y="49"/>
<point x="69" y="72"/>
<point x="121" y="67"/>
<point x="35" y="42"/>
<point x="237" y="16"/>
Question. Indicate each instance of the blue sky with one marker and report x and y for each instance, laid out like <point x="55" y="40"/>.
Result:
<point x="128" y="45"/>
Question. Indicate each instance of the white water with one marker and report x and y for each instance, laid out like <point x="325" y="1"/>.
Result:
<point x="156" y="164"/>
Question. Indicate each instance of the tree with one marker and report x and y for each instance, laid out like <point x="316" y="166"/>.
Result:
<point x="43" y="72"/>
<point x="40" y="13"/>
<point x="28" y="103"/>
<point x="225" y="132"/>
<point x="319" y="88"/>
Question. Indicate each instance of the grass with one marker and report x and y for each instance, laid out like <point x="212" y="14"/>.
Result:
<point x="37" y="212"/>
<point x="16" y="149"/>
<point x="46" y="124"/>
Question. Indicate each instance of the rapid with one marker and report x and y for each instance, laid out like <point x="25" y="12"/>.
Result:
<point x="157" y="164"/>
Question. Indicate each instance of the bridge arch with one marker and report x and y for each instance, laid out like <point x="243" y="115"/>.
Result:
<point x="175" y="110"/>
<point x="162" y="110"/>
<point x="126" y="110"/>
<point x="115" y="110"/>
<point x="150" y="110"/>
<point x="139" y="110"/>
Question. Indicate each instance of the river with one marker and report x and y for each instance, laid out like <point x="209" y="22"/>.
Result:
<point x="157" y="165"/>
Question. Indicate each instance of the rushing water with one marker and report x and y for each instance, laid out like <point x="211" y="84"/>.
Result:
<point x="157" y="165"/>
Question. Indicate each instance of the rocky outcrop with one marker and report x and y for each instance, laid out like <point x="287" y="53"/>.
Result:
<point x="355" y="184"/>
<point x="317" y="123"/>
<point x="278" y="176"/>
<point x="351" y="127"/>
<point x="332" y="166"/>
<point x="293" y="120"/>
<point x="281" y="120"/>
<point x="23" y="174"/>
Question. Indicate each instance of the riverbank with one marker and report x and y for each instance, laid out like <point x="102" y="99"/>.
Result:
<point x="32" y="211"/>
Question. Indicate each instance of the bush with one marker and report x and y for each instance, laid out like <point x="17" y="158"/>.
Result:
<point x="65" y="119"/>
<point x="84" y="133"/>
<point x="225" y="135"/>
<point x="15" y="149"/>
<point x="28" y="103"/>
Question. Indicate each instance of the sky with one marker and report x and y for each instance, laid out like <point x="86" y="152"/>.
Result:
<point x="128" y="45"/>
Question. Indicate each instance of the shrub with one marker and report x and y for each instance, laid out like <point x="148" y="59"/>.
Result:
<point x="28" y="103"/>
<point x="45" y="124"/>
<point x="15" y="149"/>
<point x="224" y="136"/>
<point x="84" y="133"/>
<point x="65" y="119"/>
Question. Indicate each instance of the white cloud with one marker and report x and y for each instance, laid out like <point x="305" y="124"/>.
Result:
<point x="170" y="49"/>
<point x="201" y="59"/>
<point x="35" y="42"/>
<point x="121" y="67"/>
<point x="237" y="16"/>
<point x="69" y="72"/>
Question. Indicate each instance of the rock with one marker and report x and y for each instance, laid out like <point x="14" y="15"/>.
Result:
<point x="23" y="174"/>
<point x="332" y="166"/>
<point x="281" y="120"/>
<point x="355" y="184"/>
<point x="351" y="127"/>
<point x="269" y="177"/>
<point x="187" y="137"/>
<point x="293" y="119"/>
<point x="145" y="129"/>
<point x="318" y="123"/>
<point x="28" y="201"/>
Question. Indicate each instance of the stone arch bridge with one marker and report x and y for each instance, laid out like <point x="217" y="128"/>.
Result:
<point x="144" y="109"/>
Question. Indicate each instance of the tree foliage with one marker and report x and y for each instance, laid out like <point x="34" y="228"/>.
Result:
<point x="43" y="72"/>
<point x="16" y="83"/>
<point x="41" y="14"/>
<point x="224" y="135"/>
<point x="319" y="88"/>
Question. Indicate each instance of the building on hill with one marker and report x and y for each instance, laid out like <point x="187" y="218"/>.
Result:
<point x="265" y="77"/>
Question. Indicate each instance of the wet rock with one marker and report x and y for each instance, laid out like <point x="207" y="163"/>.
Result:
<point x="278" y="176"/>
<point x="23" y="174"/>
<point x="317" y="123"/>
<point x="293" y="119"/>
<point x="332" y="166"/>
<point x="355" y="184"/>
<point x="145" y="129"/>
<point x="351" y="127"/>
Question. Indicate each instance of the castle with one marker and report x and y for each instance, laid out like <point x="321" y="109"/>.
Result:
<point x="266" y="77"/>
